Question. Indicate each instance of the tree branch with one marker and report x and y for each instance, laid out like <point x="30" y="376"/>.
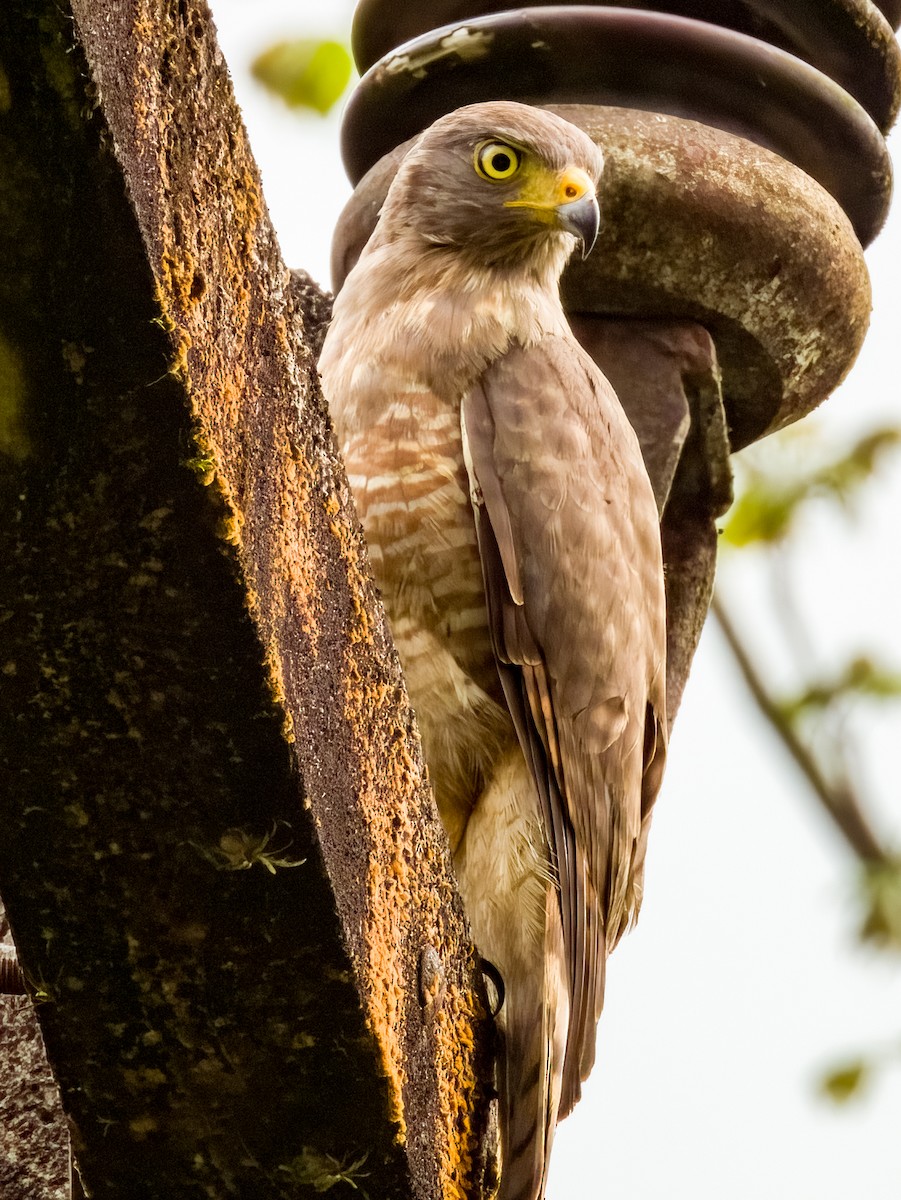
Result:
<point x="837" y="798"/>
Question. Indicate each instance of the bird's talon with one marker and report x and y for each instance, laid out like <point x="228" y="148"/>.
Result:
<point x="493" y="976"/>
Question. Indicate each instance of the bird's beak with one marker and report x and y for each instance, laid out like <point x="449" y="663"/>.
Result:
<point x="583" y="218"/>
<point x="567" y="200"/>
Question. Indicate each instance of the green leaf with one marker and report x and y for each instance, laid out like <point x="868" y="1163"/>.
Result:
<point x="845" y="1082"/>
<point x="305" y="73"/>
<point x="762" y="513"/>
<point x="845" y="474"/>
<point x="861" y="677"/>
<point x="770" y="499"/>
<point x="882" y="897"/>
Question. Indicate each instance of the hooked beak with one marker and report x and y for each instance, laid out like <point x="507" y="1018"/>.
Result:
<point x="567" y="200"/>
<point x="583" y="218"/>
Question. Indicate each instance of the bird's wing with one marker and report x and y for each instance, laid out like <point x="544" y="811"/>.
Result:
<point x="570" y="549"/>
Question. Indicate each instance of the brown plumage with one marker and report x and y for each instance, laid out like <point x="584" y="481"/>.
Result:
<point x="514" y="534"/>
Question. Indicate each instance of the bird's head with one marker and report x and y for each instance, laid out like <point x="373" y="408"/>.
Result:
<point x="500" y="183"/>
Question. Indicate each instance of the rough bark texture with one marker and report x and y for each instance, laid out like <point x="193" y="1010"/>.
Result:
<point x="221" y="860"/>
<point x="34" y="1159"/>
<point x="34" y="1155"/>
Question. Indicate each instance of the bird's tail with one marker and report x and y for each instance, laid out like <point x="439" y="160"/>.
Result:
<point x="535" y="1016"/>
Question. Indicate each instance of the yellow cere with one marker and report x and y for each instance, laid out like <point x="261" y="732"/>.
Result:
<point x="545" y="192"/>
<point x="573" y="184"/>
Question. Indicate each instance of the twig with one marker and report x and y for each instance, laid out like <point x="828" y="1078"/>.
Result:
<point x="839" y="800"/>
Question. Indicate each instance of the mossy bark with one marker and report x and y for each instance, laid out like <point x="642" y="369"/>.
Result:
<point x="221" y="860"/>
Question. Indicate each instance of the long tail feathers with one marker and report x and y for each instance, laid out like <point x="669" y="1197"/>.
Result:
<point x="536" y="1015"/>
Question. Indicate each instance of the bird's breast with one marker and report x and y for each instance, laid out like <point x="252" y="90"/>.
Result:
<point x="405" y="466"/>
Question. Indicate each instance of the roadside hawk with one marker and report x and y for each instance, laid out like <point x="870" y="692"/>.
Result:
<point x="514" y="535"/>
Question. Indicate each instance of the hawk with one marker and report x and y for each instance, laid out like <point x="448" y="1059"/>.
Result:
<point x="515" y="538"/>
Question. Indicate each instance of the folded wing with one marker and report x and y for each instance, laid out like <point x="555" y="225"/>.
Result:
<point x="570" y="547"/>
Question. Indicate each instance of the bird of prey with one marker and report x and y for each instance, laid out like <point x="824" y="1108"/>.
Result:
<point x="515" y="538"/>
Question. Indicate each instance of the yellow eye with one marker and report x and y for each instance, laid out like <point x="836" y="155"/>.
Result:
<point x="496" y="160"/>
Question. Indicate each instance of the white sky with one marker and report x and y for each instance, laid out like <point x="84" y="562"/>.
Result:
<point x="744" y="978"/>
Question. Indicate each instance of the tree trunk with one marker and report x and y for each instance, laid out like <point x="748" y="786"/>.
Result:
<point x="221" y="861"/>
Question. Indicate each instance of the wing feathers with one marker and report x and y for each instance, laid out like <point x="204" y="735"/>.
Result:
<point x="570" y="548"/>
<point x="479" y="467"/>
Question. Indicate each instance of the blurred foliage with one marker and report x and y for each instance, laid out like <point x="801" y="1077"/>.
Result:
<point x="771" y="497"/>
<point x="305" y="73"/>
<point x="845" y="1082"/>
<point x="776" y="482"/>
<point x="881" y="889"/>
<point x="850" y="1080"/>
<point x="859" y="678"/>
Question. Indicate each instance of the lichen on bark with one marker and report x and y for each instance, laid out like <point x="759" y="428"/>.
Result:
<point x="210" y="773"/>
